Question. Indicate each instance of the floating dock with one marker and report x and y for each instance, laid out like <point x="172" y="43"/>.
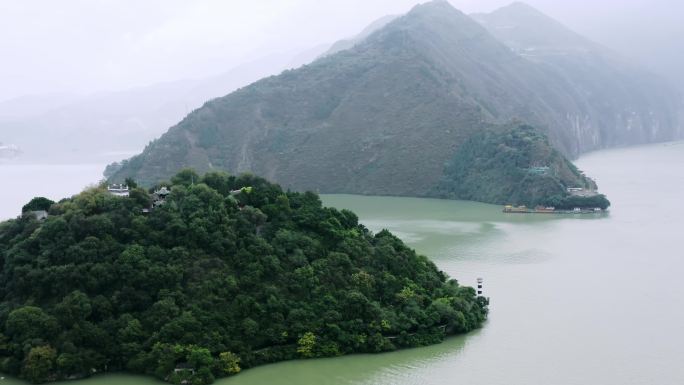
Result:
<point x="510" y="209"/>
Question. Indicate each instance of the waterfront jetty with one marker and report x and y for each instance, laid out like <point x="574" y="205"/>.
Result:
<point x="550" y="210"/>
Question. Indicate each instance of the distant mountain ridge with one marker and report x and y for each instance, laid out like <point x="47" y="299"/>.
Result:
<point x="387" y="115"/>
<point x="521" y="26"/>
<point x="105" y="126"/>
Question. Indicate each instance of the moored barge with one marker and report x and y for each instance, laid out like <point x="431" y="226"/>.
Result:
<point x="549" y="210"/>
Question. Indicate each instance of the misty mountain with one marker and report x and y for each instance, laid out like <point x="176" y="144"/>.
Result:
<point x="106" y="126"/>
<point x="344" y="44"/>
<point x="31" y="105"/>
<point x="387" y="115"/>
<point x="614" y="102"/>
<point x="528" y="31"/>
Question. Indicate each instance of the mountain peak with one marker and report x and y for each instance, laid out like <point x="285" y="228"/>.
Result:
<point x="434" y="4"/>
<point x="441" y="20"/>
<point x="431" y="7"/>
<point x="520" y="6"/>
<point x="522" y="26"/>
<point x="521" y="10"/>
<point x="431" y="14"/>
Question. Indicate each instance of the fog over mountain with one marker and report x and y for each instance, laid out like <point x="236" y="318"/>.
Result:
<point x="77" y="46"/>
<point x="104" y="79"/>
<point x="106" y="126"/>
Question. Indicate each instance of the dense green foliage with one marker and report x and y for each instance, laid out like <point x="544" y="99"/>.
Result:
<point x="210" y="283"/>
<point x="36" y="204"/>
<point x="508" y="165"/>
<point x="384" y="116"/>
<point x="569" y="202"/>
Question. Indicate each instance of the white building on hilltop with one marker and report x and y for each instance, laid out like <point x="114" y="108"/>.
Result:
<point x="119" y="190"/>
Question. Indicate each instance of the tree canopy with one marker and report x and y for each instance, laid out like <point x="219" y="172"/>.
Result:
<point x="515" y="164"/>
<point x="36" y="204"/>
<point x="211" y="282"/>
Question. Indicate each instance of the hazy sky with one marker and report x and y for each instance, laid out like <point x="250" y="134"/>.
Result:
<point x="89" y="45"/>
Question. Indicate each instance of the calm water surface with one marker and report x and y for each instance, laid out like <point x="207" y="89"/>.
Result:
<point x="575" y="299"/>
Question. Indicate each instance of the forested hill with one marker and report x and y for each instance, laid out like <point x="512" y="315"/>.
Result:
<point x="228" y="273"/>
<point x="386" y="116"/>
<point x="515" y="164"/>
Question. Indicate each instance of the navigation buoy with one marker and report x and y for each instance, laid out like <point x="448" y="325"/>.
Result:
<point x="479" y="286"/>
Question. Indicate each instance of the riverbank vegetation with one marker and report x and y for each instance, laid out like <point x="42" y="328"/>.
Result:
<point x="209" y="283"/>
<point x="569" y="202"/>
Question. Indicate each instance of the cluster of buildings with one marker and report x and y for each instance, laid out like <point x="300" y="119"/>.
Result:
<point x="580" y="191"/>
<point x="158" y="197"/>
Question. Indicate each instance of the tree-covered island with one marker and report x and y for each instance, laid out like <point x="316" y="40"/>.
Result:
<point x="225" y="274"/>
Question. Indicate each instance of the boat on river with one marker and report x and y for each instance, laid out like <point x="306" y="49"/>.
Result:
<point x="511" y="209"/>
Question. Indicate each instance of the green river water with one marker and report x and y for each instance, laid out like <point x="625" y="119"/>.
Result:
<point x="590" y="299"/>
